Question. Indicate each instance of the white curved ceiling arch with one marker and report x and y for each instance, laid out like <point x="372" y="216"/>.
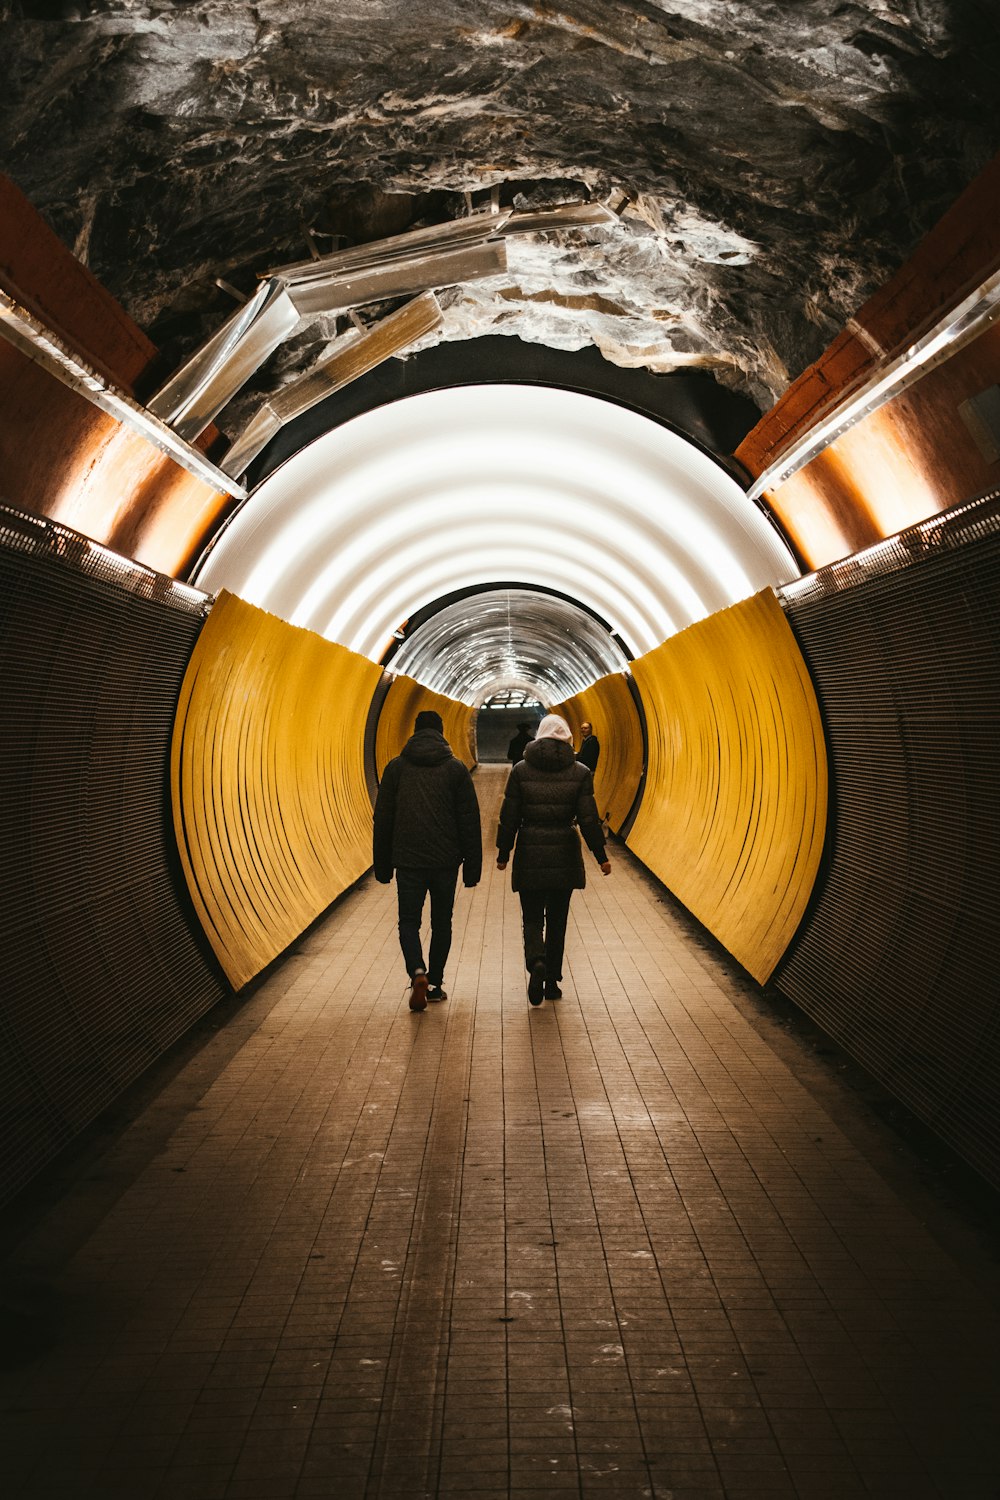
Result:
<point x="520" y="638"/>
<point x="458" y="488"/>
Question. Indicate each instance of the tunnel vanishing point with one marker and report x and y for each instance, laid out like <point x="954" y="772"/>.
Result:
<point x="639" y="365"/>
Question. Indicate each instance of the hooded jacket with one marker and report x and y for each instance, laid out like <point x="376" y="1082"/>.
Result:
<point x="546" y="793"/>
<point x="427" y="812"/>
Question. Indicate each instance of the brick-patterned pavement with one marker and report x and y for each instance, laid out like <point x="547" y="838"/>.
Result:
<point x="617" y="1245"/>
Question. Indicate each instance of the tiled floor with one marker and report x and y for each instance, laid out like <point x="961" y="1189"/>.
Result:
<point x="613" y="1245"/>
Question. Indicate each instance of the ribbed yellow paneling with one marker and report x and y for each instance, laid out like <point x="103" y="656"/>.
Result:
<point x="271" y="809"/>
<point x="734" y="811"/>
<point x="609" y="708"/>
<point x="404" y="700"/>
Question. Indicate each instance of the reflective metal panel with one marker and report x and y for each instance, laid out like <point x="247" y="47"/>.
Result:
<point x="355" y="358"/>
<point x="42" y="346"/>
<point x="199" y="390"/>
<point x="415" y="244"/>
<point x="340" y="290"/>
<point x="565" y="216"/>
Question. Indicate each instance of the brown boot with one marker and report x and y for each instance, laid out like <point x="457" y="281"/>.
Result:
<point x="418" y="991"/>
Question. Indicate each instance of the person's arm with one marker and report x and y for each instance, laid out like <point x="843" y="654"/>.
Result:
<point x="510" y="819"/>
<point x="384" y="823"/>
<point x="470" y="833"/>
<point x="590" y="824"/>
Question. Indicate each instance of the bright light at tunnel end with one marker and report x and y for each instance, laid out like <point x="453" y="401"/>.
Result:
<point x="457" y="489"/>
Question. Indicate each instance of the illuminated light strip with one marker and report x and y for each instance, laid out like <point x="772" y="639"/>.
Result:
<point x="500" y="541"/>
<point x="608" y="590"/>
<point x="45" y="348"/>
<point x="568" y="477"/>
<point x="951" y="334"/>
<point x="598" y="577"/>
<point x="592" y="500"/>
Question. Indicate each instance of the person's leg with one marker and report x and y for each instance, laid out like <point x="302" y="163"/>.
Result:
<point x="533" y="925"/>
<point x="411" y="888"/>
<point x="533" y="922"/>
<point x="441" y="884"/>
<point x="556" y="918"/>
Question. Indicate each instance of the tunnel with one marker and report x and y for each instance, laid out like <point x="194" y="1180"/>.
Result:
<point x="367" y="364"/>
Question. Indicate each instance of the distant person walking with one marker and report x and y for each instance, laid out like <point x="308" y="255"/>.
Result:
<point x="524" y="736"/>
<point x="590" y="748"/>
<point x="426" y="827"/>
<point x="547" y="792"/>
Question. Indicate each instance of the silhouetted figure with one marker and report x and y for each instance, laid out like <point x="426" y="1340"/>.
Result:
<point x="524" y="736"/>
<point x="426" y="826"/>
<point x="590" y="748"/>
<point x="547" y="792"/>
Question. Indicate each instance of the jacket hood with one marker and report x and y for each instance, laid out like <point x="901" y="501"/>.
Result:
<point x="550" y="755"/>
<point x="426" y="748"/>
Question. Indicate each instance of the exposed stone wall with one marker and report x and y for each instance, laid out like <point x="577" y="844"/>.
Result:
<point x="782" y="159"/>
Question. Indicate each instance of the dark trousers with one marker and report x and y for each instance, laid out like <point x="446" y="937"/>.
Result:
<point x="411" y="888"/>
<point x="544" y="915"/>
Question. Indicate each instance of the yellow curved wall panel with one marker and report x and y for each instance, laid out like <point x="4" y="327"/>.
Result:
<point x="271" y="807"/>
<point x="733" y="815"/>
<point x="607" y="705"/>
<point x="404" y="700"/>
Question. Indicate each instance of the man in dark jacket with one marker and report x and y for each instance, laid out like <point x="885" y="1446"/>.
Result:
<point x="547" y="792"/>
<point x="520" y="742"/>
<point x="590" y="748"/>
<point x="426" y="826"/>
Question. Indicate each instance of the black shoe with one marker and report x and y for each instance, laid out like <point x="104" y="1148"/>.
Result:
<point x="552" y="990"/>
<point x="418" y="991"/>
<point x="436" y="994"/>
<point x="536" y="982"/>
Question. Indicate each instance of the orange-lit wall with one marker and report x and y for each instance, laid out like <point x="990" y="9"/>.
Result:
<point x="915" y="455"/>
<point x="60" y="456"/>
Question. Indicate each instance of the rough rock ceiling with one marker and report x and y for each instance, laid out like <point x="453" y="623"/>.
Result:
<point x="780" y="159"/>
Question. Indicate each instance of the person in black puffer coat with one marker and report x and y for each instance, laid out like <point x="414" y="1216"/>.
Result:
<point x="426" y="826"/>
<point x="547" y="792"/>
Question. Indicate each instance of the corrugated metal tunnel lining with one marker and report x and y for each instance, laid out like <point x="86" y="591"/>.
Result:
<point x="505" y="638"/>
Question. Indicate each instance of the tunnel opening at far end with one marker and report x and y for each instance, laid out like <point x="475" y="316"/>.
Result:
<point x="499" y="721"/>
<point x="507" y="638"/>
<point x="508" y="651"/>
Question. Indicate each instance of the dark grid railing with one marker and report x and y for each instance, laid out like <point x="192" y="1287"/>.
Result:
<point x="102" y="963"/>
<point x="897" y="957"/>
